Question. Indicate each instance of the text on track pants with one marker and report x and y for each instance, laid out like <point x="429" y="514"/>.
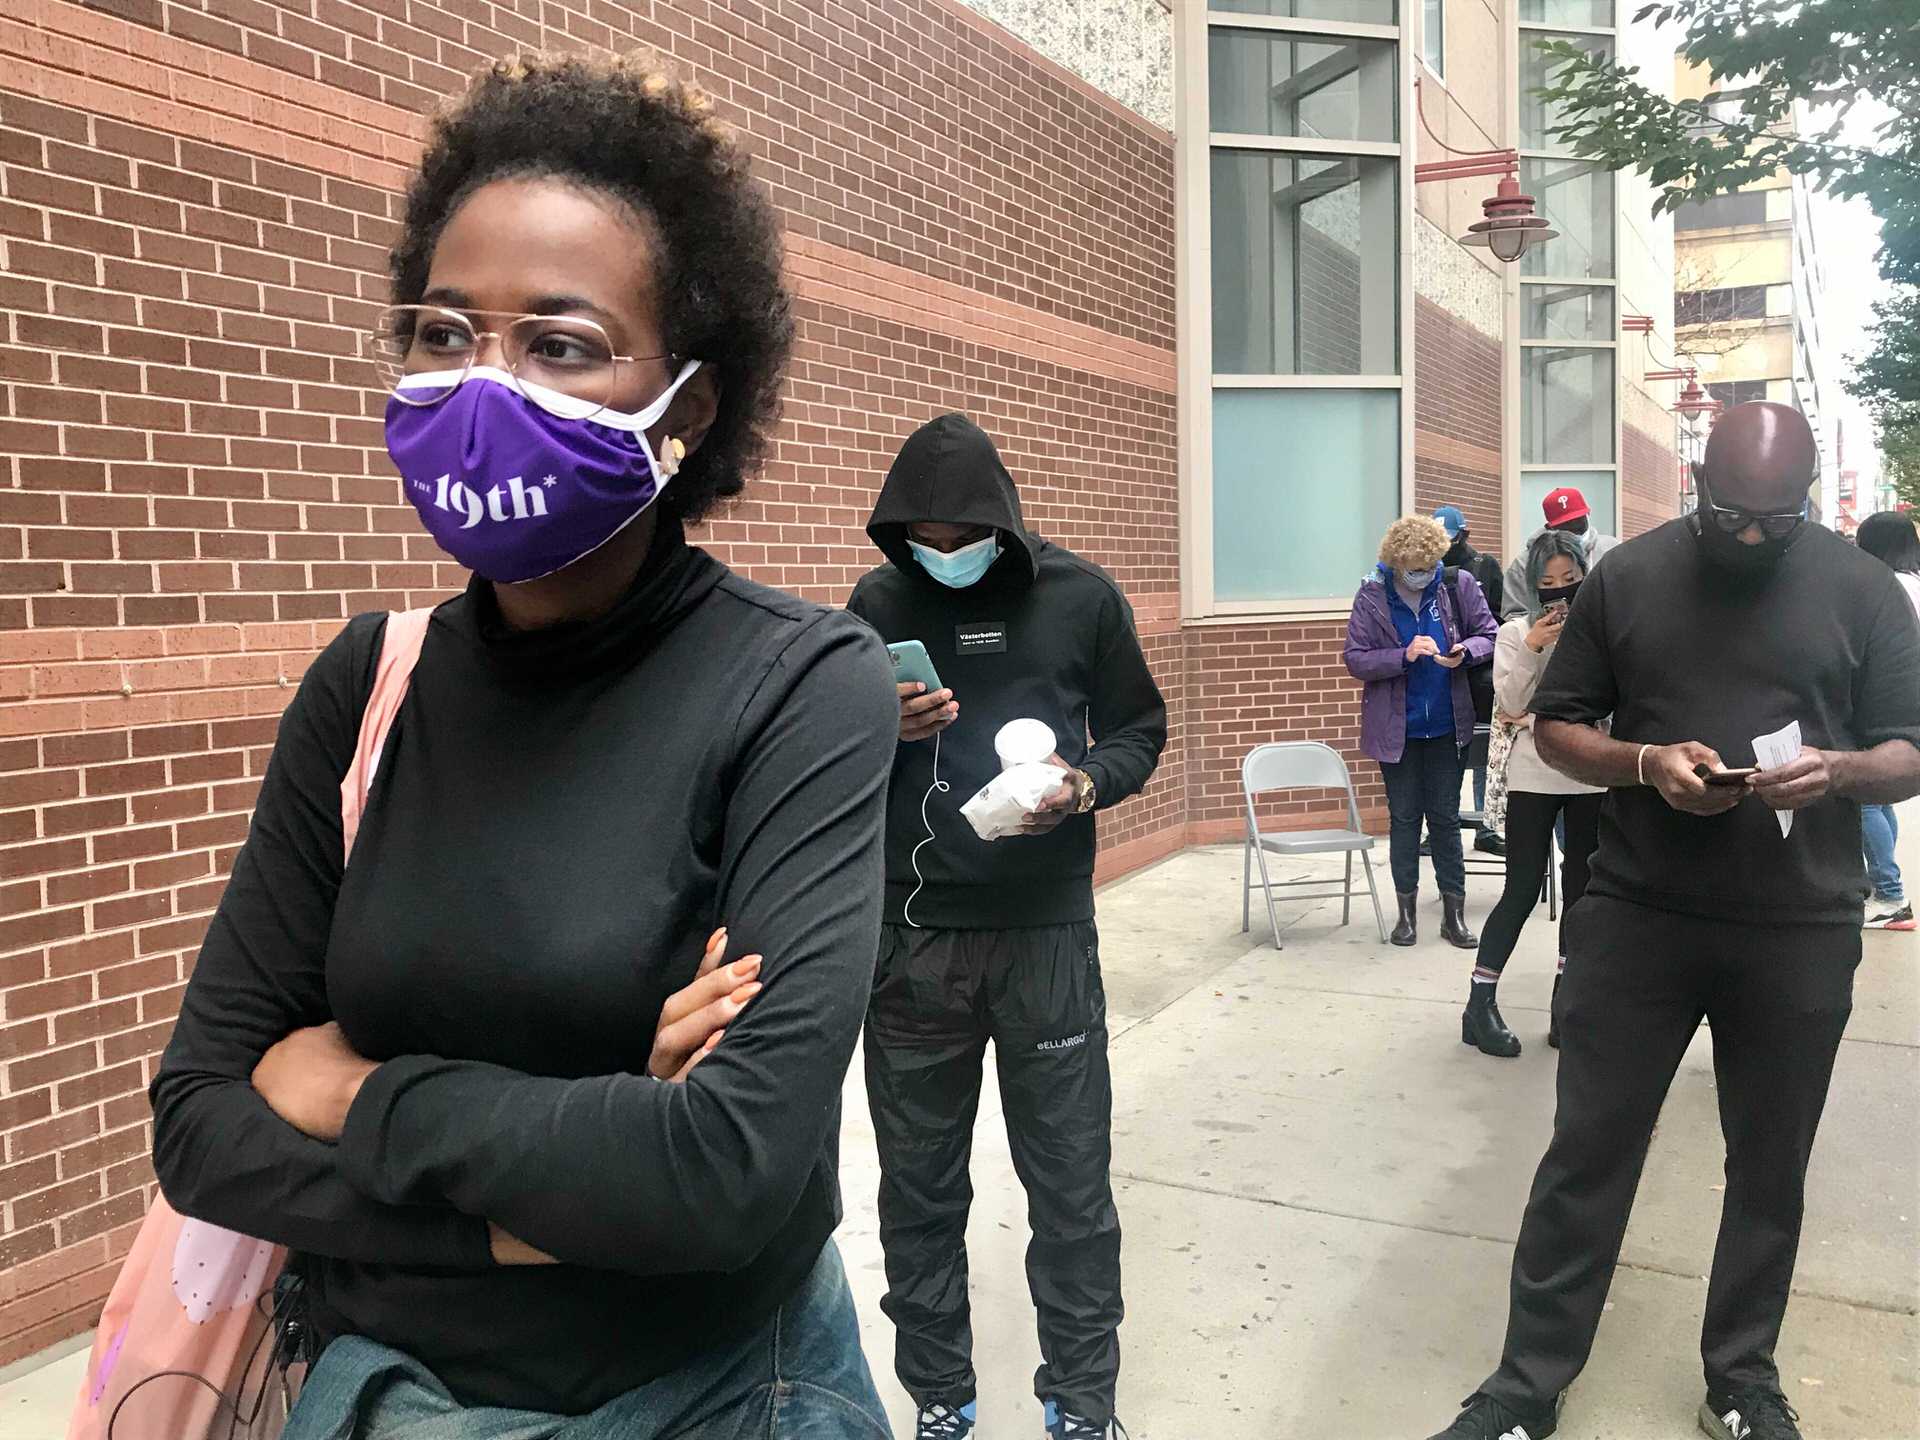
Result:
<point x="938" y="997"/>
<point x="1637" y="983"/>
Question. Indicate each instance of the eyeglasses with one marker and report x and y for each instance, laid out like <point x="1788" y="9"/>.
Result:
<point x="1774" y="524"/>
<point x="564" y="364"/>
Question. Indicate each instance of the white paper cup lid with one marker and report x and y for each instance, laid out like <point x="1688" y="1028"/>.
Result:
<point x="1023" y="742"/>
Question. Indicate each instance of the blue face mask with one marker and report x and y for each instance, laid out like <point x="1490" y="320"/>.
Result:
<point x="957" y="568"/>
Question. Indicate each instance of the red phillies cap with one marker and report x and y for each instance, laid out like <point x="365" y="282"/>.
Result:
<point x="1564" y="505"/>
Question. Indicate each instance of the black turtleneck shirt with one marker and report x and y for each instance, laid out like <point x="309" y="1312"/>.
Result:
<point x="559" y="820"/>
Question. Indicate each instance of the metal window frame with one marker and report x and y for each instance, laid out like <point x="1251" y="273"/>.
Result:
<point x="1518" y="525"/>
<point x="1194" y="143"/>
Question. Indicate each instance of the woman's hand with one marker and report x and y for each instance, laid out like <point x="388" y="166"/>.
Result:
<point x="1546" y="629"/>
<point x="1518" y="722"/>
<point x="1421" y="645"/>
<point x="1453" y="659"/>
<point x="693" y="1020"/>
<point x="310" y="1080"/>
<point x="509" y="1251"/>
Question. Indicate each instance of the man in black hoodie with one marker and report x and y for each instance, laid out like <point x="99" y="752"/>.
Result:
<point x="995" y="940"/>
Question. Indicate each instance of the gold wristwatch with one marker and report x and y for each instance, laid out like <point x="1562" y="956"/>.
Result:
<point x="1083" y="792"/>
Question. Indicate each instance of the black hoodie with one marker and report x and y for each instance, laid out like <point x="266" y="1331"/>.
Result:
<point x="1044" y="634"/>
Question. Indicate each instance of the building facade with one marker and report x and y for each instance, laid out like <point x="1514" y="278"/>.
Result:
<point x="1749" y="283"/>
<point x="1175" y="261"/>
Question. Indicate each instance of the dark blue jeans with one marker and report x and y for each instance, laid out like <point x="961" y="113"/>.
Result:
<point x="1425" y="784"/>
<point x="800" y="1376"/>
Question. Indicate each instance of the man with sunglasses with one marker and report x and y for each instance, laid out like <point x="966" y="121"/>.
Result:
<point x="1723" y="626"/>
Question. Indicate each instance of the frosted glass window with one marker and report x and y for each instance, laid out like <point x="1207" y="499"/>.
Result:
<point x="1595" y="485"/>
<point x="1433" y="35"/>
<point x="1551" y="311"/>
<point x="1537" y="118"/>
<point x="1354" y="12"/>
<point x="1304" y="484"/>
<point x="1594" y="14"/>
<point x="1566" y="406"/>
<point x="1260" y="83"/>
<point x="1305" y="264"/>
<point x="1577" y="199"/>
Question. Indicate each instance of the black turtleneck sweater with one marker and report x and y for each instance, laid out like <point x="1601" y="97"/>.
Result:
<point x="558" y="822"/>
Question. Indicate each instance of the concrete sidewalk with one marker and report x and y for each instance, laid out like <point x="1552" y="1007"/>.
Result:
<point x="1320" y="1188"/>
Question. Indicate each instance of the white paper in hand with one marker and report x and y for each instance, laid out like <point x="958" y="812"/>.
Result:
<point x="1005" y="801"/>
<point x="1770" y="752"/>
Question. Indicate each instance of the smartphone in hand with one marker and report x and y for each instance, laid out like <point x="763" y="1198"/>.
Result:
<point x="1724" y="777"/>
<point x="912" y="664"/>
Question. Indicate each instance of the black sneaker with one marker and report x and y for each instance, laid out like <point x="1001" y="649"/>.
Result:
<point x="1488" y="843"/>
<point x="1486" y="1418"/>
<point x="1751" y="1414"/>
<point x="943" y="1422"/>
<point x="1063" y="1425"/>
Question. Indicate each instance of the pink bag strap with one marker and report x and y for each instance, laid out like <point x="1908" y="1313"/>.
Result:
<point x="399" y="652"/>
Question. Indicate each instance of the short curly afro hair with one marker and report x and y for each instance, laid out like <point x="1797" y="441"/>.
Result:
<point x="1413" y="542"/>
<point x="630" y="128"/>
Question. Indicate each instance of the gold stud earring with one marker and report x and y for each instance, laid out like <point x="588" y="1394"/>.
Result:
<point x="676" y="451"/>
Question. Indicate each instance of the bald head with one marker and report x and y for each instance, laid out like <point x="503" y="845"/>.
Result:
<point x="1761" y="457"/>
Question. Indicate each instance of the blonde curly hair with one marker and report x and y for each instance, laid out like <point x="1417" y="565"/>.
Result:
<point x="1413" y="542"/>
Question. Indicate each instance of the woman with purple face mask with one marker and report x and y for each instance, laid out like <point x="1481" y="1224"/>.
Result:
<point x="549" y="1168"/>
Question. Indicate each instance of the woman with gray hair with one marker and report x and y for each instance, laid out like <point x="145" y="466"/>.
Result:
<point x="1537" y="795"/>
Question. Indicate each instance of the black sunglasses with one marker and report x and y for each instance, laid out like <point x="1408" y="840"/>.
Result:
<point x="1774" y="524"/>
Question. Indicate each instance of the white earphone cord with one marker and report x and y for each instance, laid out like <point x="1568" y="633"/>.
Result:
<point x="906" y="910"/>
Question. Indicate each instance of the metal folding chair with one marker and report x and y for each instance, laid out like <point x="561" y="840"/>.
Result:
<point x="1301" y="765"/>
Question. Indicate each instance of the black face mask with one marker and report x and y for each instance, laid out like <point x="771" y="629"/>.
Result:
<point x="1458" y="552"/>
<point x="1730" y="554"/>
<point x="1557" y="593"/>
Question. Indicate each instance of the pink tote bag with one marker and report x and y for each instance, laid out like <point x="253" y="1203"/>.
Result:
<point x="185" y="1345"/>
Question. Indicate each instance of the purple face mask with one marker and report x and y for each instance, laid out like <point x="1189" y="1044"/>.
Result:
<point x="513" y="490"/>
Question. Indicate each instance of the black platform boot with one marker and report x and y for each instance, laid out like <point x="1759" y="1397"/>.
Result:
<point x="1408" y="930"/>
<point x="1553" y="1016"/>
<point x="1481" y="1025"/>
<point x="1453" y="923"/>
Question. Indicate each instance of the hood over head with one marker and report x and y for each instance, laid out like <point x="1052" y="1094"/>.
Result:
<point x="949" y="473"/>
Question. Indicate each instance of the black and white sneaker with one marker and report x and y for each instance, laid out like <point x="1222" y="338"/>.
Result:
<point x="1889" y="915"/>
<point x="943" y="1422"/>
<point x="1064" y="1425"/>
<point x="1486" y="1418"/>
<point x="1754" y="1414"/>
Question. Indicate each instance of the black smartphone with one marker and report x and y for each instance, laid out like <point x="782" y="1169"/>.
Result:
<point x="1724" y="777"/>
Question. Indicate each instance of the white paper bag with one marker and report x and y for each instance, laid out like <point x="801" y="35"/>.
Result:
<point x="1000" y="806"/>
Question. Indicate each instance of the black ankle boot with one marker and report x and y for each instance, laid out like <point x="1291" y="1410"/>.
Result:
<point x="1482" y="1026"/>
<point x="1553" y="1016"/>
<point x="1408" y="930"/>
<point x="1453" y="923"/>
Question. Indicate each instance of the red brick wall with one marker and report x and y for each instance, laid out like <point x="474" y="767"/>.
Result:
<point x="1649" y="481"/>
<point x="1456" y="417"/>
<point x="194" y="208"/>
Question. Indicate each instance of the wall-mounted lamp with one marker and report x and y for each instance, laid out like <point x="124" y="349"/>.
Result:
<point x="1511" y="228"/>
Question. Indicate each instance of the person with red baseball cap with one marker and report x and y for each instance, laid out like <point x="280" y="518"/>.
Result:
<point x="1565" y="509"/>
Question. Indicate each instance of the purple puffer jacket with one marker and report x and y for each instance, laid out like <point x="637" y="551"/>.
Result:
<point x="1375" y="655"/>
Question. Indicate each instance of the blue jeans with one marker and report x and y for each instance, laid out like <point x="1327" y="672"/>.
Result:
<point x="800" y="1376"/>
<point x="1425" y="784"/>
<point x="1879" y="830"/>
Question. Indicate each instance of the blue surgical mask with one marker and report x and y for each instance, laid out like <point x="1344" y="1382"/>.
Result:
<point x="957" y="568"/>
<point x="1418" y="579"/>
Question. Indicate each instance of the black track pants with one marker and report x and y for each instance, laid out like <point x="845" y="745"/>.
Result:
<point x="938" y="997"/>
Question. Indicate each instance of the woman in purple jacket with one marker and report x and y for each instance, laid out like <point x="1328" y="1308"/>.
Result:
<point x="1414" y="629"/>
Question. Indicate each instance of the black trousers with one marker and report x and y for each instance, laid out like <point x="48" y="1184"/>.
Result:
<point x="1637" y="983"/>
<point x="1530" y="818"/>
<point x="938" y="997"/>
